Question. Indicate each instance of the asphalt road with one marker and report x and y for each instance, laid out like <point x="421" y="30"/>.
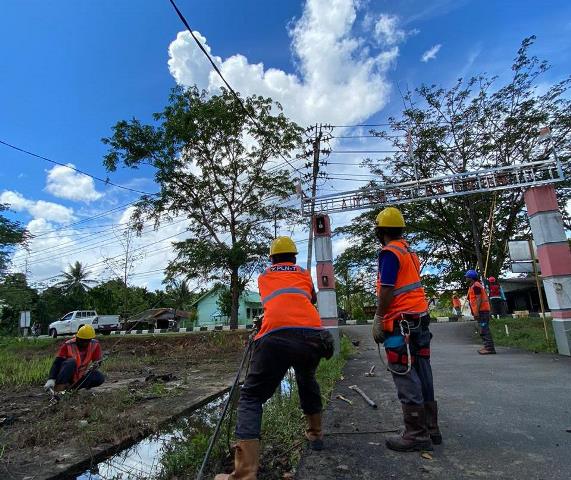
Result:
<point x="502" y="416"/>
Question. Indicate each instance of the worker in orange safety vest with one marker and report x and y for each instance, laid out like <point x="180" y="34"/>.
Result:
<point x="291" y="336"/>
<point x="401" y="324"/>
<point x="456" y="304"/>
<point x="71" y="367"/>
<point x="480" y="307"/>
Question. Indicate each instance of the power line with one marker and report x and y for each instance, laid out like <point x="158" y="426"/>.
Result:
<point x="105" y="181"/>
<point x="217" y="70"/>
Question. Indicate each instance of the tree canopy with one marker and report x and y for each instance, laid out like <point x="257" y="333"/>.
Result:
<point x="478" y="123"/>
<point x="217" y="163"/>
<point x="11" y="234"/>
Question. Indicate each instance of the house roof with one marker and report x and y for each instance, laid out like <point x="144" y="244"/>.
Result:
<point x="155" y="313"/>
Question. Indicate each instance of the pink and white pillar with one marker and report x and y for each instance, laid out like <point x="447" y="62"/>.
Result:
<point x="554" y="259"/>
<point x="326" y="296"/>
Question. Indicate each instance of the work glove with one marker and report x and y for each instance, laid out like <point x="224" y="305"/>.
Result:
<point x="378" y="334"/>
<point x="50" y="384"/>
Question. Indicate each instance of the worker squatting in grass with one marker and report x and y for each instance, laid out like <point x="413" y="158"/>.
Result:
<point x="75" y="365"/>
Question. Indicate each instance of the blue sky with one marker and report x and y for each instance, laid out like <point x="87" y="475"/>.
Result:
<point x="70" y="69"/>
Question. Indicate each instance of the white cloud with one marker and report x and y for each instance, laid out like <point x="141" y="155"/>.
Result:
<point x="431" y="53"/>
<point x="338" y="79"/>
<point x="388" y="31"/>
<point x="49" y="211"/>
<point x="63" y="182"/>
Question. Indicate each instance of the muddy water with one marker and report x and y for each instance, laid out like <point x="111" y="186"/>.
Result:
<point x="143" y="459"/>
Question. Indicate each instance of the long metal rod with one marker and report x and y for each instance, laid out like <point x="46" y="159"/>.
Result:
<point x="225" y="411"/>
<point x="538" y="285"/>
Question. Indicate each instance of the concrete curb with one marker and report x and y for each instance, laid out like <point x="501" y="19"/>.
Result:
<point x="206" y="328"/>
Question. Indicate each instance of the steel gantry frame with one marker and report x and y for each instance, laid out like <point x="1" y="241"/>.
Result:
<point x="523" y="175"/>
<point x="537" y="178"/>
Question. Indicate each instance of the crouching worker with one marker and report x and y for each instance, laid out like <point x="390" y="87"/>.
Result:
<point x="291" y="335"/>
<point x="71" y="365"/>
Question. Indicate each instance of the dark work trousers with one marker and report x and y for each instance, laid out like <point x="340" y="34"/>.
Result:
<point x="272" y="356"/>
<point x="416" y="387"/>
<point x="485" y="333"/>
<point x="94" y="378"/>
<point x="497" y="304"/>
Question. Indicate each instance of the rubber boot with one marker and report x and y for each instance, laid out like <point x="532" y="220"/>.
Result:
<point x="246" y="461"/>
<point x="415" y="436"/>
<point x="314" y="433"/>
<point x="431" y="413"/>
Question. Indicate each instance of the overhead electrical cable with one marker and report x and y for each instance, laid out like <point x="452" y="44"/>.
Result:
<point x="55" y="162"/>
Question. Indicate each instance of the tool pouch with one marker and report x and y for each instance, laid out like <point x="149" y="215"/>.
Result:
<point x="327" y="344"/>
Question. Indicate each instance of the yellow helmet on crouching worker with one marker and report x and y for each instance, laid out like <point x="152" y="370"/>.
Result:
<point x="87" y="332"/>
<point x="390" y="217"/>
<point x="282" y="245"/>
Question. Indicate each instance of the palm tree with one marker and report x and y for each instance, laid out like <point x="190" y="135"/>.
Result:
<point x="76" y="279"/>
<point x="179" y="294"/>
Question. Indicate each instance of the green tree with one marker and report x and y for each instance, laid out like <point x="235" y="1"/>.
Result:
<point x="15" y="296"/>
<point x="474" y="125"/>
<point x="11" y="234"/>
<point x="179" y="295"/>
<point x="221" y="169"/>
<point x="76" y="279"/>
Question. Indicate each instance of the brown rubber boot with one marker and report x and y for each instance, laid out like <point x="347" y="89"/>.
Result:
<point x="246" y="461"/>
<point x="415" y="436"/>
<point x="314" y="433"/>
<point x="431" y="414"/>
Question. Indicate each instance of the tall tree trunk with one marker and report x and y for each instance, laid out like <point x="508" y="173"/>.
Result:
<point x="235" y="292"/>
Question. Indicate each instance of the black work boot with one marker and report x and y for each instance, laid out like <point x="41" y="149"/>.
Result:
<point x="415" y="436"/>
<point x="431" y="414"/>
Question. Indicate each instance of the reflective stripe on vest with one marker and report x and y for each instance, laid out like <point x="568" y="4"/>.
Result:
<point x="408" y="293"/>
<point x="286" y="293"/>
<point x="282" y="291"/>
<point x="407" y="288"/>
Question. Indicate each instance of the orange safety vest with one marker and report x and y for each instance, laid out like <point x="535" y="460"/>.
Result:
<point x="408" y="294"/>
<point x="73" y="352"/>
<point x="456" y="303"/>
<point x="485" y="305"/>
<point x="286" y="291"/>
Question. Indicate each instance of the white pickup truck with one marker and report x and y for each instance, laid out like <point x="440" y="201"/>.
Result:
<point x="70" y="323"/>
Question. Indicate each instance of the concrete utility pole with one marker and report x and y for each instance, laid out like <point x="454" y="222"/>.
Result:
<point x="554" y="259"/>
<point x="314" y="174"/>
<point x="326" y="295"/>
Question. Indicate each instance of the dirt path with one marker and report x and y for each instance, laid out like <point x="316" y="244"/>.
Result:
<point x="506" y="416"/>
<point x="149" y="381"/>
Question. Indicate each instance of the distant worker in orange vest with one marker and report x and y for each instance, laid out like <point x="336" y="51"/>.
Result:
<point x="71" y="367"/>
<point x="496" y="297"/>
<point x="480" y="307"/>
<point x="291" y="335"/>
<point x="456" y="304"/>
<point x="401" y="324"/>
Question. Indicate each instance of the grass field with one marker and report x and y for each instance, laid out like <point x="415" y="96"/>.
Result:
<point x="25" y="362"/>
<point x="527" y="333"/>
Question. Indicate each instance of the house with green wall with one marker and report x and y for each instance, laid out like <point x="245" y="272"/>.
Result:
<point x="208" y="311"/>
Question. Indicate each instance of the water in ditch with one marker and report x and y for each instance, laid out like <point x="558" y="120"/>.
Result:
<point x="153" y="456"/>
<point x="147" y="459"/>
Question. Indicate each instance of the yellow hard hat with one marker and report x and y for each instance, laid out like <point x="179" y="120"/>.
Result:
<point x="390" y="217"/>
<point x="86" y="332"/>
<point x="283" y="245"/>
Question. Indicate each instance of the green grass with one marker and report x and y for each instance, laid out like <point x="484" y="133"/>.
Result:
<point x="24" y="362"/>
<point x="526" y="333"/>
<point x="283" y="425"/>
